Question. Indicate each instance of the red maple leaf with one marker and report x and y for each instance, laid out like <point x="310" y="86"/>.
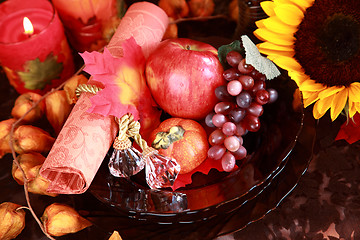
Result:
<point x="350" y="130"/>
<point x="205" y="167"/>
<point x="125" y="89"/>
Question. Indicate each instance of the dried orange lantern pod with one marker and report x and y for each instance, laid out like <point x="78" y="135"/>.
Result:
<point x="12" y="220"/>
<point x="60" y="219"/>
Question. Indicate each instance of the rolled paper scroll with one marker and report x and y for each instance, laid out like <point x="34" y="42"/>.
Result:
<point x="144" y="21"/>
<point x="79" y="149"/>
<point x="86" y="137"/>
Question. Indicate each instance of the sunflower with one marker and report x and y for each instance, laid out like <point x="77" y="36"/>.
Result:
<point x="318" y="43"/>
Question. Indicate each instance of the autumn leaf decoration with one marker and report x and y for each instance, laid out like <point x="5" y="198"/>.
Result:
<point x="350" y="130"/>
<point x="37" y="74"/>
<point x="125" y="89"/>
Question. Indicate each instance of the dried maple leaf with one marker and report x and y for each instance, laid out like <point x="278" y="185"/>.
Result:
<point x="204" y="167"/>
<point x="350" y="130"/>
<point x="125" y="89"/>
<point x="37" y="74"/>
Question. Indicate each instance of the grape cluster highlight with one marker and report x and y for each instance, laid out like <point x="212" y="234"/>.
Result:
<point x="240" y="105"/>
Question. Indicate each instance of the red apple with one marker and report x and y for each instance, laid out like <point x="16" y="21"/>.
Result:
<point x="182" y="75"/>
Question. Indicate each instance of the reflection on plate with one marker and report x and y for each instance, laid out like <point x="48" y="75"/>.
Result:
<point x="219" y="192"/>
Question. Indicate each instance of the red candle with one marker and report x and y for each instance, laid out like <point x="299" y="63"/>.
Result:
<point x="39" y="60"/>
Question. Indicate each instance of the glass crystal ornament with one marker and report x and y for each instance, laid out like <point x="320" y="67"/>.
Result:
<point x="125" y="160"/>
<point x="161" y="171"/>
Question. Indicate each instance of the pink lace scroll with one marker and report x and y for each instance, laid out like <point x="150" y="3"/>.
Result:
<point x="85" y="138"/>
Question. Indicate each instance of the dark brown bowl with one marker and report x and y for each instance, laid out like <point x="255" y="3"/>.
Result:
<point x="268" y="150"/>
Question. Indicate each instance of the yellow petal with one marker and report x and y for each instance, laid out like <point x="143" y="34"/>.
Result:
<point x="316" y="112"/>
<point x="357" y="106"/>
<point x="322" y="105"/>
<point x="289" y="14"/>
<point x="356" y="86"/>
<point x="276" y="52"/>
<point x="268" y="7"/>
<point x="287" y="63"/>
<point x="338" y="103"/>
<point x="279" y="2"/>
<point x="279" y="39"/>
<point x="260" y="23"/>
<point x="274" y="24"/>
<point x="311" y="2"/>
<point x="302" y="4"/>
<point x="312" y="86"/>
<point x="298" y="77"/>
<point x="352" y="108"/>
<point x="354" y="93"/>
<point x="272" y="46"/>
<point x="330" y="91"/>
<point x="310" y="99"/>
<point x="307" y="94"/>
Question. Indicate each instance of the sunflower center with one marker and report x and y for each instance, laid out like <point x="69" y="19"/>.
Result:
<point x="327" y="42"/>
<point x="340" y="38"/>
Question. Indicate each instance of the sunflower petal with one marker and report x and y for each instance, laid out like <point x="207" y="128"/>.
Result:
<point x="272" y="46"/>
<point x="357" y="106"/>
<point x="307" y="94"/>
<point x="298" y="77"/>
<point x="287" y="63"/>
<point x="274" y="24"/>
<point x="352" y="108"/>
<point x="324" y="104"/>
<point x="354" y="93"/>
<point x="302" y="4"/>
<point x="338" y="103"/>
<point x="276" y="52"/>
<point x="268" y="7"/>
<point x="279" y="2"/>
<point x="317" y="114"/>
<point x="289" y="14"/>
<point x="311" y="99"/>
<point x="260" y="23"/>
<point x="311" y="86"/>
<point x="311" y="2"/>
<point x="321" y="107"/>
<point x="330" y="91"/>
<point x="275" y="38"/>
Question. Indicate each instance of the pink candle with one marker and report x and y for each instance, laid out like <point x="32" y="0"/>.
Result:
<point x="36" y="61"/>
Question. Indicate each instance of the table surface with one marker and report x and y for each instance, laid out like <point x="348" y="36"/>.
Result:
<point x="325" y="204"/>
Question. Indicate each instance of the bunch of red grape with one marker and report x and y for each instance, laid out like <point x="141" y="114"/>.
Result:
<point x="238" y="110"/>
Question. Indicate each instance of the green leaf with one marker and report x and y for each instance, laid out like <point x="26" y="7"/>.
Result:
<point x="38" y="74"/>
<point x="225" y="49"/>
